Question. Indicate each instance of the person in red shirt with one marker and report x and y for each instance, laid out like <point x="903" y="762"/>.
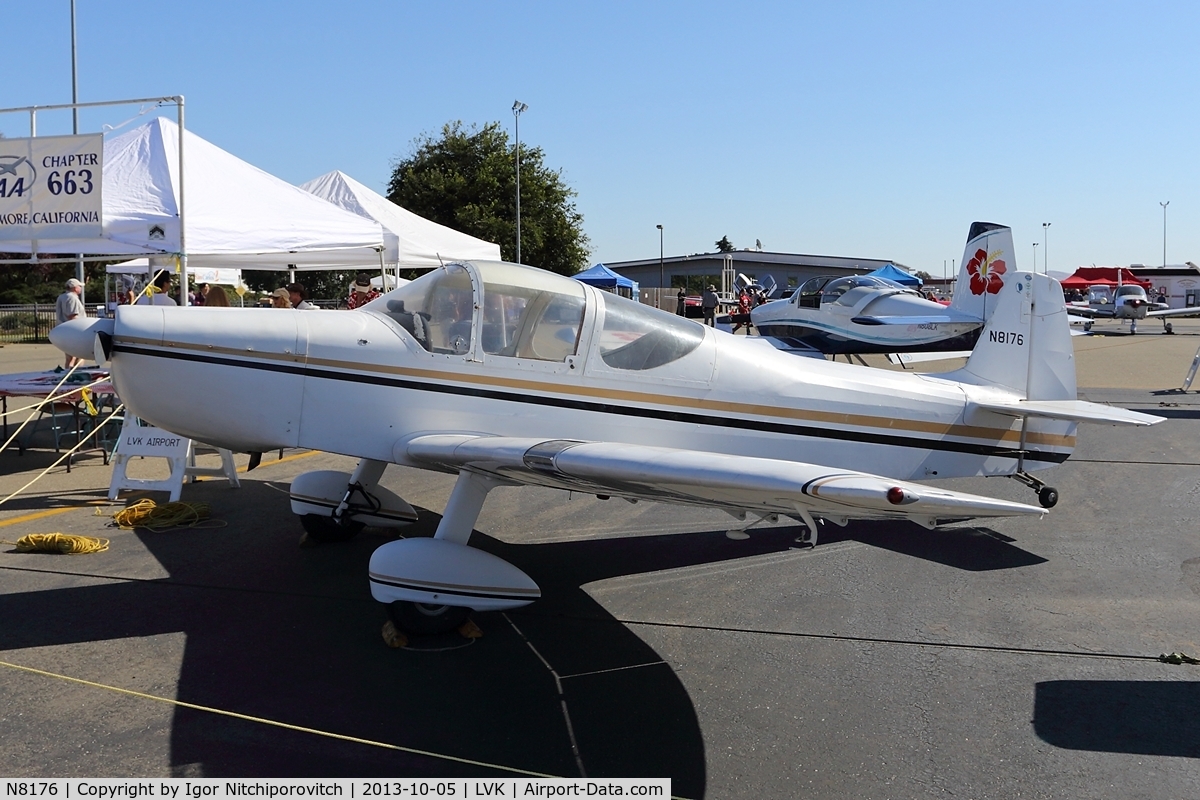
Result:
<point x="742" y="317"/>
<point x="361" y="291"/>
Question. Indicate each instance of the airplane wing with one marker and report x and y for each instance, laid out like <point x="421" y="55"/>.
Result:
<point x="793" y="346"/>
<point x="1194" y="311"/>
<point x="735" y="483"/>
<point x="1073" y="410"/>
<point x="1089" y="312"/>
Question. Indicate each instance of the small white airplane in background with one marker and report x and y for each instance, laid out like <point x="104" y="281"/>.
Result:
<point x="507" y="375"/>
<point x="1130" y="302"/>
<point x="865" y="314"/>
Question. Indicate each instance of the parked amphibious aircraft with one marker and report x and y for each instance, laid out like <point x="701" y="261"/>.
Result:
<point x="865" y="314"/>
<point x="508" y="375"/>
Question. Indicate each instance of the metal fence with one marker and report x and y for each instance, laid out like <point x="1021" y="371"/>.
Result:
<point x="30" y="324"/>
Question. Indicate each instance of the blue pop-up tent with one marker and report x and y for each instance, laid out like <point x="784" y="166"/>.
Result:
<point x="891" y="273"/>
<point x="602" y="277"/>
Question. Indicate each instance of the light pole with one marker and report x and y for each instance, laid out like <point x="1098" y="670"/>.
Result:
<point x="658" y="304"/>
<point x="1045" y="249"/>
<point x="79" y="275"/>
<point x="517" y="108"/>
<point x="1164" y="205"/>
<point x="1035" y="244"/>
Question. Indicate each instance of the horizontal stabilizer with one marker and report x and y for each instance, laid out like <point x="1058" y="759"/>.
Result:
<point x="686" y="476"/>
<point x="917" y="358"/>
<point x="1071" y="410"/>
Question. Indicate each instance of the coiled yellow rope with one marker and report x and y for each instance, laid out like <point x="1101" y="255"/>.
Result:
<point x="60" y="543"/>
<point x="147" y="514"/>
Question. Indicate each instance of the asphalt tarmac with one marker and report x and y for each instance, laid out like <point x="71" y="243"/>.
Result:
<point x="1013" y="659"/>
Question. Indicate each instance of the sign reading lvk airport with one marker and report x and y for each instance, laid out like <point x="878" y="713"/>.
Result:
<point x="50" y="187"/>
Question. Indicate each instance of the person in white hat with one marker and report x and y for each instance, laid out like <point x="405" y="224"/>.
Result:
<point x="361" y="291"/>
<point x="69" y="306"/>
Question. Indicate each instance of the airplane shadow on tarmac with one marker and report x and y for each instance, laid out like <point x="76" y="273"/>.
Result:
<point x="291" y="634"/>
<point x="1153" y="718"/>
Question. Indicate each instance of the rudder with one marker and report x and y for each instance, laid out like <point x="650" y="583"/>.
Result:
<point x="988" y="261"/>
<point x="1025" y="346"/>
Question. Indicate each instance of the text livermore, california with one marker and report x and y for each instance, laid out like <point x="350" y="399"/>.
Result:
<point x="50" y="187"/>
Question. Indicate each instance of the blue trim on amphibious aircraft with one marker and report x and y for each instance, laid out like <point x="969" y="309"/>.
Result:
<point x="833" y="341"/>
<point x="1048" y="457"/>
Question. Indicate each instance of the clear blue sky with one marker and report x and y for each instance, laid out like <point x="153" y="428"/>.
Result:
<point x="855" y="128"/>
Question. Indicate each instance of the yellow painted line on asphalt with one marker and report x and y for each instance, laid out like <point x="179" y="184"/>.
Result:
<point x="50" y="512"/>
<point x="274" y="723"/>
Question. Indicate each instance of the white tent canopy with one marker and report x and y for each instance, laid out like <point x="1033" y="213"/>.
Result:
<point x="236" y="215"/>
<point x="410" y="240"/>
<point x="142" y="266"/>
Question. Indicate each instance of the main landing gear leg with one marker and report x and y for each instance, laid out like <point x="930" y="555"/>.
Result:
<point x="1047" y="495"/>
<point x="462" y="510"/>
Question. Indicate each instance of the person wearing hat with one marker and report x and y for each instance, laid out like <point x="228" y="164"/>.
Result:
<point x="69" y="306"/>
<point x="159" y="293"/>
<point x="299" y="296"/>
<point x="709" y="304"/>
<point x="361" y="291"/>
<point x="281" y="298"/>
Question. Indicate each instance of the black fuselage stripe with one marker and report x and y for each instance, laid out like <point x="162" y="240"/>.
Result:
<point x="608" y="408"/>
<point x="456" y="591"/>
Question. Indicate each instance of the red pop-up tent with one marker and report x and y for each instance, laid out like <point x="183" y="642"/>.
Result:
<point x="1106" y="276"/>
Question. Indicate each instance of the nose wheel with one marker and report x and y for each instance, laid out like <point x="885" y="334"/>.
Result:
<point x="1047" y="495"/>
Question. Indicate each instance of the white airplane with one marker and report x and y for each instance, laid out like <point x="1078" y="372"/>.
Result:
<point x="507" y="375"/>
<point x="1129" y="302"/>
<point x="865" y="314"/>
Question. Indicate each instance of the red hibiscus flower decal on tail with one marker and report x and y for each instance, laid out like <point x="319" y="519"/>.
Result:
<point x="986" y="272"/>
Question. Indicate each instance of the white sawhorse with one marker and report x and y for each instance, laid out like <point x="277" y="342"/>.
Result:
<point x="141" y="440"/>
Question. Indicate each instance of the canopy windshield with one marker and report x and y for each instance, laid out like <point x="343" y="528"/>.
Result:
<point x="850" y="290"/>
<point x="524" y="313"/>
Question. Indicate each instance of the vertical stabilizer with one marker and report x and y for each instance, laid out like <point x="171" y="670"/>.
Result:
<point x="1025" y="345"/>
<point x="988" y="262"/>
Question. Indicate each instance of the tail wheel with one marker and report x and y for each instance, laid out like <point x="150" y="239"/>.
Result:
<point x="1048" y="496"/>
<point x="424" y="618"/>
<point x="326" y="529"/>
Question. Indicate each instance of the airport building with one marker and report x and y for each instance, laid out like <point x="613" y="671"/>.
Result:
<point x="701" y="269"/>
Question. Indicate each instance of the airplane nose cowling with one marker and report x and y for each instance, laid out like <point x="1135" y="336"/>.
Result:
<point x="77" y="337"/>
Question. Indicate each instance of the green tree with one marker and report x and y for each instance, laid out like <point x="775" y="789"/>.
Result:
<point x="724" y="245"/>
<point x="465" y="179"/>
<point x="321" y="284"/>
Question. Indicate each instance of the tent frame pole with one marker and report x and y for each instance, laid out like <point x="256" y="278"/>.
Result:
<point x="183" y="265"/>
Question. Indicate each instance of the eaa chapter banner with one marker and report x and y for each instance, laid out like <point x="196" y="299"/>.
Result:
<point x="50" y="187"/>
